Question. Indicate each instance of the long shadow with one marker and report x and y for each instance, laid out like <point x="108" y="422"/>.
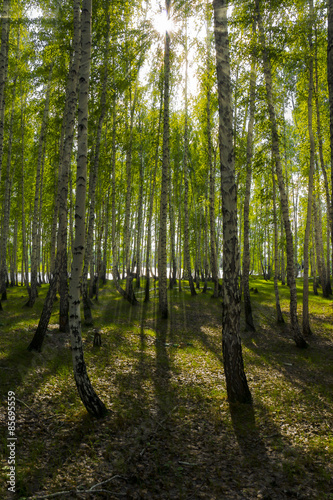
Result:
<point x="297" y="364"/>
<point x="247" y="434"/>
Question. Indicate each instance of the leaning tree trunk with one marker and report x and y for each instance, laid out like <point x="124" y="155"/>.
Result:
<point x="60" y="264"/>
<point x="297" y="335"/>
<point x="306" y="322"/>
<point x="162" y="263"/>
<point x="237" y="387"/>
<point x="249" y="323"/>
<point x="35" y="257"/>
<point x="88" y="396"/>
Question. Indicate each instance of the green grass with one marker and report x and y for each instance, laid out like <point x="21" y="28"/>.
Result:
<point x="171" y="432"/>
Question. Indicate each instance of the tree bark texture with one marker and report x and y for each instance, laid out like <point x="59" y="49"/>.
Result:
<point x="237" y="387"/>
<point x="305" y="320"/>
<point x="186" y="174"/>
<point x="162" y="268"/>
<point x="88" y="396"/>
<point x="279" y="317"/>
<point x="330" y="93"/>
<point x="60" y="266"/>
<point x="249" y="323"/>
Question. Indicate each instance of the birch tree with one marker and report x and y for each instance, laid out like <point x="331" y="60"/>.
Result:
<point x="88" y="395"/>
<point x="237" y="387"/>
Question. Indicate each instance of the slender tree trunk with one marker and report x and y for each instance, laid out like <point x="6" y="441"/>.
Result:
<point x="60" y="266"/>
<point x="88" y="396"/>
<point x="6" y="205"/>
<point x="162" y="268"/>
<point x="92" y="189"/>
<point x="297" y="335"/>
<point x="283" y="273"/>
<point x="13" y="266"/>
<point x="330" y="93"/>
<point x="237" y="387"/>
<point x="35" y="257"/>
<point x="173" y="278"/>
<point x="151" y="202"/>
<point x="186" y="208"/>
<point x="139" y="223"/>
<point x="204" y="290"/>
<point x="249" y="323"/>
<point x="5" y="28"/>
<point x="279" y="317"/>
<point x="180" y="235"/>
<point x="211" y="166"/>
<point x="313" y="261"/>
<point x="24" y="277"/>
<point x="327" y="288"/>
<point x="306" y="322"/>
<point x="319" y="241"/>
<point x="115" y="271"/>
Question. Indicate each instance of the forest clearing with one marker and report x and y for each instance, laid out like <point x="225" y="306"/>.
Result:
<point x="170" y="432"/>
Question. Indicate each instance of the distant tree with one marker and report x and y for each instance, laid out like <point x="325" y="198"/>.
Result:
<point x="297" y="335"/>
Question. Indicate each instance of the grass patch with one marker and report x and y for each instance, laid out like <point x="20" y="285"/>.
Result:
<point x="171" y="432"/>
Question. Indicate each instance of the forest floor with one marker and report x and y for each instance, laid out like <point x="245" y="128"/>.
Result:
<point x="170" y="432"/>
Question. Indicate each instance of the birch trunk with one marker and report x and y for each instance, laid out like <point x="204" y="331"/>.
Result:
<point x="319" y="241"/>
<point x="60" y="266"/>
<point x="173" y="278"/>
<point x="296" y="332"/>
<point x="104" y="263"/>
<point x="185" y="165"/>
<point x="162" y="268"/>
<point x="151" y="203"/>
<point x="24" y="277"/>
<point x="327" y="288"/>
<point x="306" y="322"/>
<point x="211" y="166"/>
<point x="88" y="396"/>
<point x="5" y="28"/>
<point x="139" y="223"/>
<point x="35" y="257"/>
<point x="279" y="317"/>
<point x="249" y="323"/>
<point x="92" y="189"/>
<point x="6" y="204"/>
<point x="330" y="93"/>
<point x="237" y="387"/>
